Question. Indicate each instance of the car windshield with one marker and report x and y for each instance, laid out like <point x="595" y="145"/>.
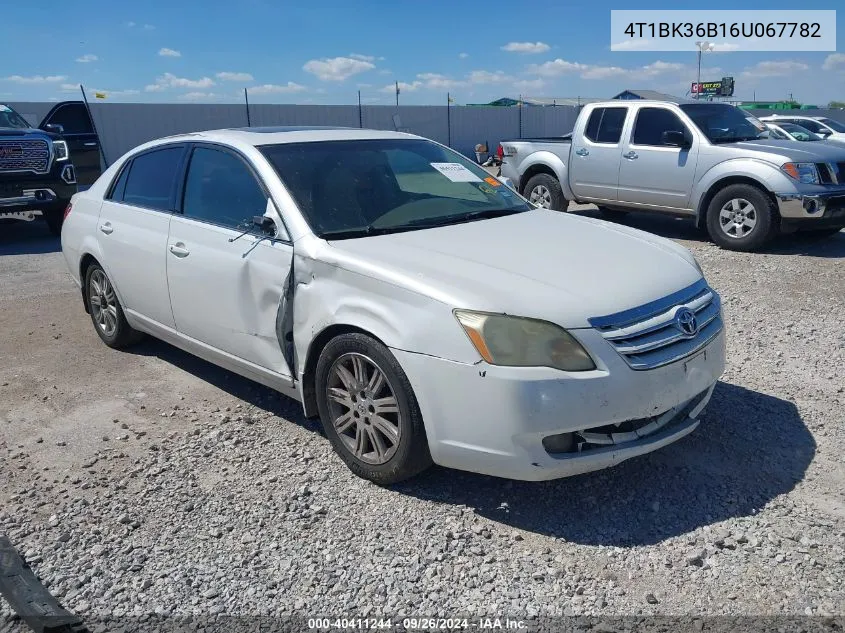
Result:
<point x="11" y="119"/>
<point x="836" y="126"/>
<point x="799" y="133"/>
<point x="723" y="123"/>
<point x="358" y="188"/>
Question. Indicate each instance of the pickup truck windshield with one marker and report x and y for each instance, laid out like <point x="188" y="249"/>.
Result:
<point x="11" y="119"/>
<point x="722" y="123"/>
<point x="357" y="188"/>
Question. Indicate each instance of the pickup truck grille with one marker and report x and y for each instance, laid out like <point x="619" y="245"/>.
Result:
<point x="666" y="330"/>
<point x="24" y="155"/>
<point x="831" y="173"/>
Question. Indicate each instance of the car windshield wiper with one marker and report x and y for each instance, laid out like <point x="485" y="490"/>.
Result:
<point x="361" y="231"/>
<point x="469" y="216"/>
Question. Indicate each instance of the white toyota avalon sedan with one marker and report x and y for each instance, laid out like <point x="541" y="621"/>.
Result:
<point x="424" y="310"/>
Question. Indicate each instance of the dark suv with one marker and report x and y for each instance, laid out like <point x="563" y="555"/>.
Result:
<point x="37" y="177"/>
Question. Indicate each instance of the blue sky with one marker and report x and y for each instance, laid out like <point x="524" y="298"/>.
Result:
<point x="324" y="51"/>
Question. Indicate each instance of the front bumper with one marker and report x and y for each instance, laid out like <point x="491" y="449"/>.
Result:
<point x="27" y="194"/>
<point x="493" y="420"/>
<point x="816" y="209"/>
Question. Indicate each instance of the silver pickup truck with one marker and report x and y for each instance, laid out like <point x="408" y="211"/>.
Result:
<point x="709" y="161"/>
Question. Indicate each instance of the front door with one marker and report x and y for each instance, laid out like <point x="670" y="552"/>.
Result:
<point x="82" y="141"/>
<point x="652" y="173"/>
<point x="226" y="282"/>
<point x="594" y="158"/>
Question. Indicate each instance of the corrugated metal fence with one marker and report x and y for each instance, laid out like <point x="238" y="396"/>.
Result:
<point x="123" y="126"/>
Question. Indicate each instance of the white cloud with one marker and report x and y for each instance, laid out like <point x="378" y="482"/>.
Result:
<point x="87" y="58"/>
<point x="487" y="77"/>
<point x="365" y="58"/>
<point x="436" y="81"/>
<point x="725" y="47"/>
<point x="403" y="87"/>
<point x="169" y="52"/>
<point x="197" y="96"/>
<point x="631" y="45"/>
<point x="463" y="55"/>
<point x="774" y="69"/>
<point x="529" y="85"/>
<point x="530" y="48"/>
<point x="149" y="27"/>
<point x="35" y="79"/>
<point x="337" y="68"/>
<point x="168" y="80"/>
<point x="130" y="24"/>
<point x="230" y="76"/>
<point x="603" y="72"/>
<point x="556" y="67"/>
<point x="835" y="61"/>
<point x="266" y="89"/>
<point x="69" y="87"/>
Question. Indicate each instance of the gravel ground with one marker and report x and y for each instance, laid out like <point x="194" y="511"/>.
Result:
<point x="149" y="482"/>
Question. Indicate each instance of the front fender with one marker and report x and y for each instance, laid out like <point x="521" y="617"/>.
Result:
<point x="550" y="160"/>
<point x="767" y="175"/>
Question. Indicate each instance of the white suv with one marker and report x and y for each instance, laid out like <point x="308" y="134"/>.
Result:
<point x="825" y="127"/>
<point x="423" y="309"/>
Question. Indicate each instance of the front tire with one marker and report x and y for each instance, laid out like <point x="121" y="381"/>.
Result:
<point x="369" y="411"/>
<point x="106" y="312"/>
<point x="544" y="191"/>
<point x="742" y="218"/>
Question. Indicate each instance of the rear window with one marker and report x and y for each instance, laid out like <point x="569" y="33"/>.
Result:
<point x="605" y="125"/>
<point x="151" y="182"/>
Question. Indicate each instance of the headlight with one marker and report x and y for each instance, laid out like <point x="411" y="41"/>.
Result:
<point x="60" y="150"/>
<point x="802" y="172"/>
<point x="520" y="342"/>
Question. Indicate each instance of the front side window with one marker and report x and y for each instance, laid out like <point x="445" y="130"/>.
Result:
<point x="651" y="123"/>
<point x="358" y="188"/>
<point x="800" y="133"/>
<point x="836" y="126"/>
<point x="813" y="126"/>
<point x="151" y="182"/>
<point x="605" y="125"/>
<point x="221" y="189"/>
<point x="74" y="119"/>
<point x="11" y="119"/>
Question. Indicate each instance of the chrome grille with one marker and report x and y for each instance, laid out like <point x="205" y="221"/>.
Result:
<point x="652" y="335"/>
<point x="24" y="155"/>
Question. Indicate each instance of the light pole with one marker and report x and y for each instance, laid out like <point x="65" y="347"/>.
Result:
<point x="703" y="47"/>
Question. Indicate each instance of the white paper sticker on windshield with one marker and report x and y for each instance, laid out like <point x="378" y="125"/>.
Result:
<point x="456" y="172"/>
<point x="4" y="108"/>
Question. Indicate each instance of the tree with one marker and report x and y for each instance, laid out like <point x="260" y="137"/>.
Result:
<point x="836" y="104"/>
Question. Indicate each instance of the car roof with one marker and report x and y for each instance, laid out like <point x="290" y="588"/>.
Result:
<point x="257" y="136"/>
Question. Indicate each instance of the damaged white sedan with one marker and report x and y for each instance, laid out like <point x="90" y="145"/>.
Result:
<point x="425" y="311"/>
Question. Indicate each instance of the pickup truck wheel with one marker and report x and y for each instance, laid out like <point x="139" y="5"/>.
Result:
<point x="741" y="218"/>
<point x="544" y="191"/>
<point x="106" y="313"/>
<point x="368" y="410"/>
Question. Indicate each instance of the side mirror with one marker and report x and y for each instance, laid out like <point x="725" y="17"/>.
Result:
<point x="675" y="138"/>
<point x="54" y="127"/>
<point x="826" y="133"/>
<point x="265" y="224"/>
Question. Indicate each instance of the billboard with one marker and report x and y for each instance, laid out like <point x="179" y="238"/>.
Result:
<point x="723" y="88"/>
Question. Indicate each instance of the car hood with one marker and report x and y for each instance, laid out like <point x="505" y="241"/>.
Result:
<point x="17" y="131"/>
<point x="789" y="151"/>
<point x="541" y="264"/>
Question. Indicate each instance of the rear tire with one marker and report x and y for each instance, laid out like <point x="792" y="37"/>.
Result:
<point x="742" y="218"/>
<point x="55" y="219"/>
<point x="544" y="191"/>
<point x="369" y="411"/>
<point x="106" y="312"/>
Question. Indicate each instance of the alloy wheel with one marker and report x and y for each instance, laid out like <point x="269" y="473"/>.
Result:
<point x="103" y="302"/>
<point x="737" y="218"/>
<point x="541" y="196"/>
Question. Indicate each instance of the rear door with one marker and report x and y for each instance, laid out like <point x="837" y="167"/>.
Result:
<point x="132" y="230"/>
<point x="81" y="139"/>
<point x="652" y="173"/>
<point x="595" y="156"/>
<point x="226" y="279"/>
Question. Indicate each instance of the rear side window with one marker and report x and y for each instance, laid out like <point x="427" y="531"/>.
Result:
<point x="652" y="123"/>
<point x="605" y="125"/>
<point x="151" y="182"/>
<point x="119" y="186"/>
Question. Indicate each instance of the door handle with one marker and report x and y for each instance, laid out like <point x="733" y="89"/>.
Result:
<point x="630" y="155"/>
<point x="179" y="249"/>
<point x="91" y="144"/>
<point x="582" y="152"/>
<point x="106" y="228"/>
